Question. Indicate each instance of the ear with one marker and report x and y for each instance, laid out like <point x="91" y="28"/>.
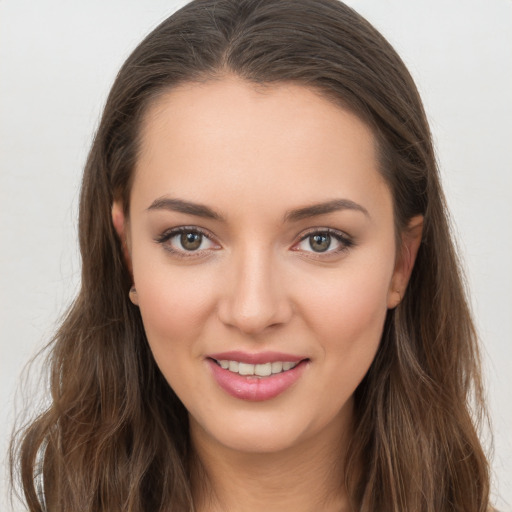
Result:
<point x="121" y="226"/>
<point x="411" y="239"/>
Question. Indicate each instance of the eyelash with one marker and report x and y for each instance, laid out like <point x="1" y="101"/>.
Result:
<point x="345" y="241"/>
<point x="182" y="253"/>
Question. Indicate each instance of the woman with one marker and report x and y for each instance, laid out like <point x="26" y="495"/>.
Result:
<point x="271" y="313"/>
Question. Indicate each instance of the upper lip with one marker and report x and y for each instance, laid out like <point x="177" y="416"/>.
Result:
<point x="256" y="358"/>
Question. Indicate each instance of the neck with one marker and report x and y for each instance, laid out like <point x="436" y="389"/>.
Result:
<point x="303" y="478"/>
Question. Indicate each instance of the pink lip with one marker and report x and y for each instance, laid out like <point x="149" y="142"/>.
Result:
<point x="252" y="388"/>
<point x="259" y="358"/>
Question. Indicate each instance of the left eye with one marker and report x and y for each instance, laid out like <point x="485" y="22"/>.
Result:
<point x="186" y="240"/>
<point x="190" y="241"/>
<point x="324" y="242"/>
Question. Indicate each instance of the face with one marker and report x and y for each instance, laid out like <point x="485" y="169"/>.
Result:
<point x="262" y="243"/>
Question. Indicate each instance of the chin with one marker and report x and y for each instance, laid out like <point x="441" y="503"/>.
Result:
<point x="269" y="431"/>
<point x="252" y="441"/>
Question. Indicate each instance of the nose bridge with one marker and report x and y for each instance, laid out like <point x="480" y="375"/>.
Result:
<point x="256" y="299"/>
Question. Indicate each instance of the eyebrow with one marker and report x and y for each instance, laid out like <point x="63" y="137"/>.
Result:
<point x="324" y="208"/>
<point x="178" y="205"/>
<point x="201" y="210"/>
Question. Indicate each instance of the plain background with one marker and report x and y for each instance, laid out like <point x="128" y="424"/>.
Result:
<point x="58" y="59"/>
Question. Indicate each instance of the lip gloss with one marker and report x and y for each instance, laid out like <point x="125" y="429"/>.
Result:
<point x="252" y="388"/>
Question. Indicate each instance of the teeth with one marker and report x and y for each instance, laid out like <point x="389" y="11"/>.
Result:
<point x="260" y="370"/>
<point x="245" y="369"/>
<point x="277" y="367"/>
<point x="263" y="370"/>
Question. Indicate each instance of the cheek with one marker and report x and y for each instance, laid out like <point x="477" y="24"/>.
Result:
<point x="347" y="313"/>
<point x="174" y="303"/>
<point x="348" y="323"/>
<point x="352" y="301"/>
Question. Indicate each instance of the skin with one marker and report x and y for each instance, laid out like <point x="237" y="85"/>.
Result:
<point x="252" y="155"/>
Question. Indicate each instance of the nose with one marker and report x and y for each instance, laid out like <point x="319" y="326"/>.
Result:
<point x="254" y="297"/>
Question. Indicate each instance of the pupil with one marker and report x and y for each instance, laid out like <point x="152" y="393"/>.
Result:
<point x="320" y="243"/>
<point x="191" y="241"/>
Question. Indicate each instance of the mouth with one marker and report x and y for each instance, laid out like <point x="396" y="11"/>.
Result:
<point x="257" y="370"/>
<point x="256" y="377"/>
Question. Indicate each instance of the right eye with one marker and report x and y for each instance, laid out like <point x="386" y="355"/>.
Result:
<point x="186" y="241"/>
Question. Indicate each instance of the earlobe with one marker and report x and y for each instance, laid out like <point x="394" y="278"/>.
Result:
<point x="133" y="296"/>
<point x="411" y="240"/>
<point x="120" y="225"/>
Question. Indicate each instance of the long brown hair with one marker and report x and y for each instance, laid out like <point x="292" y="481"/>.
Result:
<point x="115" y="436"/>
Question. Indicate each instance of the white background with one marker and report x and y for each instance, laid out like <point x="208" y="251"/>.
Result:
<point x="57" y="61"/>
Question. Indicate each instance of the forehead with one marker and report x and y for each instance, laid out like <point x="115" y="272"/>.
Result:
<point x="228" y="138"/>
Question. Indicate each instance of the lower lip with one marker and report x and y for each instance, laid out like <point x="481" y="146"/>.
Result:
<point x="252" y="388"/>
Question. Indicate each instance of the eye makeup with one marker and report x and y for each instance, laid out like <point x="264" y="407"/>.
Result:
<point x="320" y="241"/>
<point x="196" y="242"/>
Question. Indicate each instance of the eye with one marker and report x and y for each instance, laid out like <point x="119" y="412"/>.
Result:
<point x="190" y="241"/>
<point x="185" y="240"/>
<point x="319" y="242"/>
<point x="324" y="241"/>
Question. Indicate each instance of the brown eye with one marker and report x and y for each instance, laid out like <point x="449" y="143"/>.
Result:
<point x="185" y="241"/>
<point x="191" y="241"/>
<point x="324" y="243"/>
<point x="320" y="242"/>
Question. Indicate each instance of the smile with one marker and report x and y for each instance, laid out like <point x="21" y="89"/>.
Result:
<point x="258" y="370"/>
<point x="256" y="377"/>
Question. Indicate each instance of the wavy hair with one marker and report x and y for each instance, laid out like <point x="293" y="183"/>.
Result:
<point x="115" y="436"/>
